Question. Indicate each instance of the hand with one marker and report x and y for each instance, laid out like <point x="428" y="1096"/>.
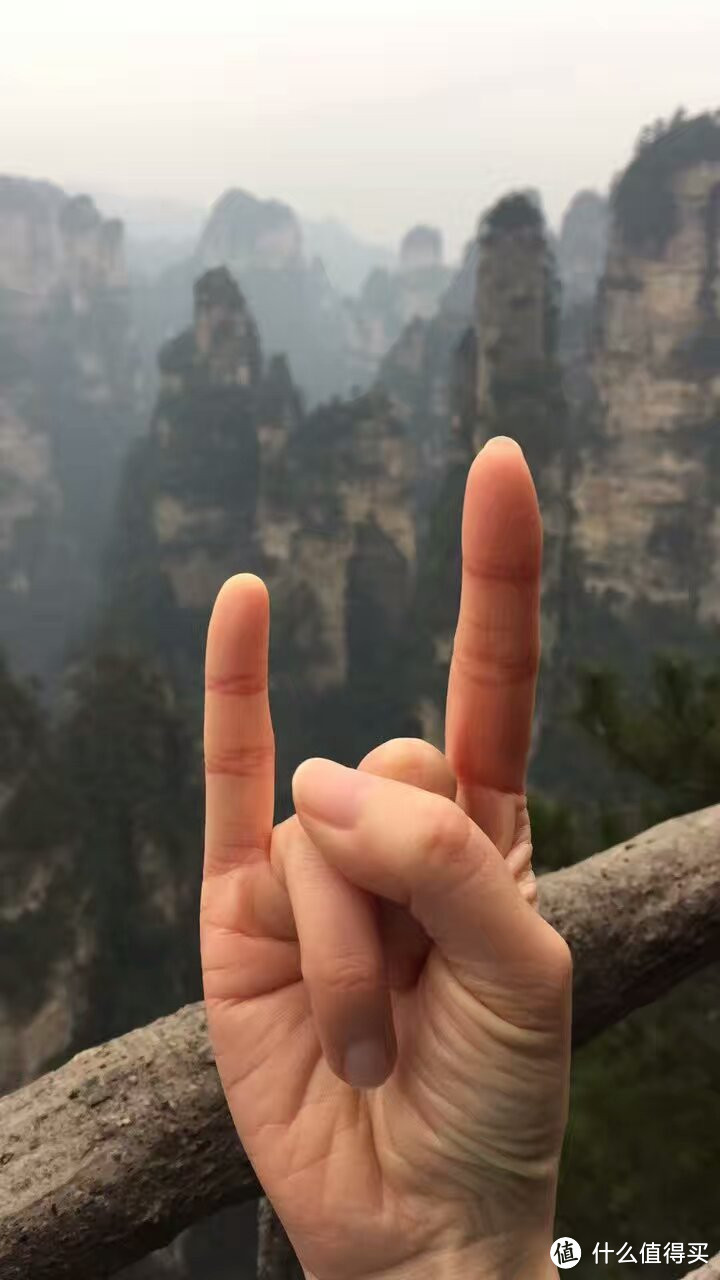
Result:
<point x="390" y="1014"/>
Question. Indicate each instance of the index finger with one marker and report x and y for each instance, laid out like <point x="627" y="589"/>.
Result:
<point x="238" y="736"/>
<point x="496" y="652"/>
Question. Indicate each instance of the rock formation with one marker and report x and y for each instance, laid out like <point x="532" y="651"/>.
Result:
<point x="519" y="381"/>
<point x="647" y="534"/>
<point x="392" y="300"/>
<point x="233" y="476"/>
<point x="485" y="365"/>
<point x="516" y="296"/>
<point x="330" y="507"/>
<point x="297" y="310"/>
<point x="334" y="343"/>
<point x="68" y="406"/>
<point x="353" y="465"/>
<point x="338" y="535"/>
<point x="423" y="378"/>
<point x="50" y="241"/>
<point x="582" y="247"/>
<point x="347" y="259"/>
<point x="187" y="516"/>
<point x="421" y="247"/>
<point x="248" y="232"/>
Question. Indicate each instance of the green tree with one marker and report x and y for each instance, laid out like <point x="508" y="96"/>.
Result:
<point x="671" y="740"/>
<point x="100" y="834"/>
<point x="643" y="1143"/>
<point x="132" y="777"/>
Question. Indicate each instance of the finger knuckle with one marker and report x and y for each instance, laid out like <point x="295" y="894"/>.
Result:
<point x="446" y="835"/>
<point x="493" y="661"/>
<point x="344" y="974"/>
<point x="239" y="761"/>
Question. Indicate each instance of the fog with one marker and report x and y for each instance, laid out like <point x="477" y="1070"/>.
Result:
<point x="379" y="114"/>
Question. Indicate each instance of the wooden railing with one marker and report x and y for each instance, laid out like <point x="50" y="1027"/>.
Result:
<point x="112" y="1155"/>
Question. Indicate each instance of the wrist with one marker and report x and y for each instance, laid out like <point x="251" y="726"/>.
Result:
<point x="477" y="1264"/>
<point x="476" y="1261"/>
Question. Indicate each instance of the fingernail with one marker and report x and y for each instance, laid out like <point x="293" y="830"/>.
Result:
<point x="366" y="1064"/>
<point x="502" y="441"/>
<point x="330" y="792"/>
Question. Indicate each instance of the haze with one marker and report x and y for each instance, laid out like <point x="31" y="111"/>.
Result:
<point x="381" y="114"/>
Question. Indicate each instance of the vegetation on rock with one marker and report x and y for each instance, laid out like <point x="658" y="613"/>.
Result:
<point x="643" y="198"/>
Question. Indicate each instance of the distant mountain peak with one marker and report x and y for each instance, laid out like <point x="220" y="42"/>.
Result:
<point x="421" y="246"/>
<point x="242" y="228"/>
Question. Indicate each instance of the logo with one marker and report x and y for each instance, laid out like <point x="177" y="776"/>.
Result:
<point x="565" y="1252"/>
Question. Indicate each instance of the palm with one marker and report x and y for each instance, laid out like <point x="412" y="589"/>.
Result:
<point x="319" y="1145"/>
<point x="377" y="1175"/>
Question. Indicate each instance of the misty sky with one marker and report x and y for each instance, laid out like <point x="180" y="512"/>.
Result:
<point x="382" y="114"/>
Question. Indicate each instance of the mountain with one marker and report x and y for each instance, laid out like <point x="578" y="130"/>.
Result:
<point x="234" y="475"/>
<point x="350" y="510"/>
<point x="582" y="247"/>
<point x="647" y="538"/>
<point x="297" y="311"/>
<point x="158" y="232"/>
<point x="502" y="377"/>
<point x="391" y="299"/>
<point x="69" y="395"/>
<point x="423" y="372"/>
<point x="187" y="506"/>
<point x="347" y="259"/>
<point x="334" y="343"/>
<point x="151" y="217"/>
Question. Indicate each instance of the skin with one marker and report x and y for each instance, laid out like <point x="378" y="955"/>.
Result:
<point x="389" y="1012"/>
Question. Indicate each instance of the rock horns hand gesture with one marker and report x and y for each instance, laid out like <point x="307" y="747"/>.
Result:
<point x="389" y="1012"/>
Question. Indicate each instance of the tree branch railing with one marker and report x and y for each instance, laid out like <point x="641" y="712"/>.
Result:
<point x="109" y="1157"/>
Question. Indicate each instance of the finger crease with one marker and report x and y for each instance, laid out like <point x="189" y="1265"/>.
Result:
<point x="239" y="686"/>
<point x="241" y="762"/>
<point x="487" y="671"/>
<point x="500" y="573"/>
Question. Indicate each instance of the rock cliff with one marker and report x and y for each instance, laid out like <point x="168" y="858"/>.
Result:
<point x="390" y="300"/>
<point x="338" y="535"/>
<point x="50" y="241"/>
<point x="581" y="256"/>
<point x="647" y="533"/>
<point x="582" y="247"/>
<point x="331" y="507"/>
<point x="519" y="379"/>
<point x="233" y="475"/>
<point x="485" y="365"/>
<point x="421" y="247"/>
<point x="296" y="308"/>
<point x="421" y="374"/>
<point x="247" y="232"/>
<point x="347" y="258"/>
<point x="353" y="463"/>
<point x="187" y="512"/>
<point x="68" y="407"/>
<point x="334" y="342"/>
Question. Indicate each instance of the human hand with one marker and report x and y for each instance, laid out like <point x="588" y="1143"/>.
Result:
<point x="398" y="917"/>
